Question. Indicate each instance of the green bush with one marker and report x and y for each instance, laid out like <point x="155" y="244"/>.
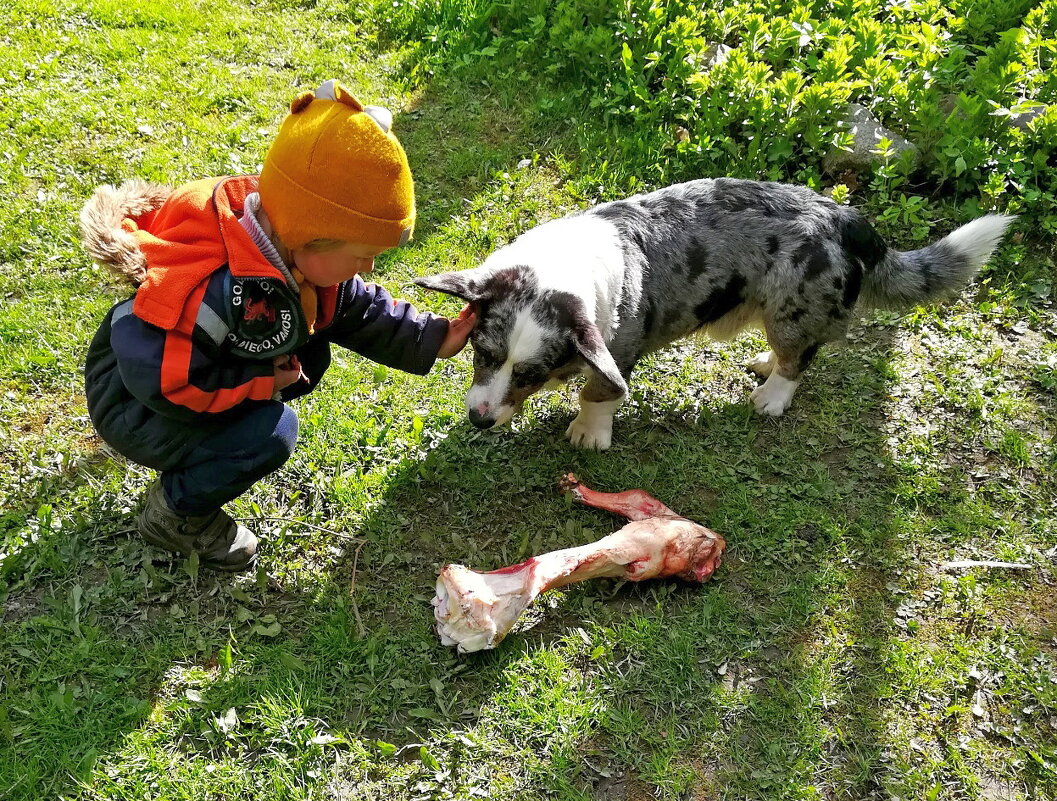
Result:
<point x="636" y="79"/>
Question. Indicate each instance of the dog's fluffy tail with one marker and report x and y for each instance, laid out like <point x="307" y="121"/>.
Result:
<point x="108" y="244"/>
<point x="942" y="269"/>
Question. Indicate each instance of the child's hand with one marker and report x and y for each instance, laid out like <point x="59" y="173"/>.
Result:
<point x="458" y="332"/>
<point x="287" y="371"/>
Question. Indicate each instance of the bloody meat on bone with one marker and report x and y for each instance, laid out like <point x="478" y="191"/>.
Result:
<point x="474" y="611"/>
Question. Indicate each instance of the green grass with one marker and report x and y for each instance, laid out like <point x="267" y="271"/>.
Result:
<point x="831" y="656"/>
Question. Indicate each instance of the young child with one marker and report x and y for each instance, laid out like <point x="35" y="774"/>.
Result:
<point x="243" y="283"/>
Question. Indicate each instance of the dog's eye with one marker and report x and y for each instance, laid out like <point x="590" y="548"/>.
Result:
<point x="526" y="376"/>
<point x="483" y="358"/>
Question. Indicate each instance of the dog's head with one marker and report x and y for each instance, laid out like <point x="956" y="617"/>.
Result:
<point x="526" y="335"/>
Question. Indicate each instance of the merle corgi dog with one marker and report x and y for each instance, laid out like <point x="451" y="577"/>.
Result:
<point x="595" y="291"/>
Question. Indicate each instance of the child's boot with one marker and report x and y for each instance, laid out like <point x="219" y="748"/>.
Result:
<point x="220" y="542"/>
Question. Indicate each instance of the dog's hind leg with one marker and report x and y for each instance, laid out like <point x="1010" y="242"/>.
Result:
<point x="774" y="395"/>
<point x="793" y="348"/>
<point x="809" y="304"/>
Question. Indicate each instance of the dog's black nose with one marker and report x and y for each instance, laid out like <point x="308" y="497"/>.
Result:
<point x="481" y="420"/>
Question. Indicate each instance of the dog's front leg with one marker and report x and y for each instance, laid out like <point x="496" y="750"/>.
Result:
<point x="593" y="426"/>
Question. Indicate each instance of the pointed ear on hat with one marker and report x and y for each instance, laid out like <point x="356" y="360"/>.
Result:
<point x="301" y="102"/>
<point x="328" y="90"/>
<point x="332" y="90"/>
<point x="469" y="285"/>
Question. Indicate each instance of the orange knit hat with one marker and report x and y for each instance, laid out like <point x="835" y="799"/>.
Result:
<point x="336" y="171"/>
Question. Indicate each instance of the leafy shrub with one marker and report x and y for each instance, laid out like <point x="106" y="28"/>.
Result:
<point x="652" y="106"/>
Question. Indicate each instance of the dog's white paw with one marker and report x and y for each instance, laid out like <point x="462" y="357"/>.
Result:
<point x="773" y="407"/>
<point x="773" y="396"/>
<point x="591" y="431"/>
<point x="762" y="364"/>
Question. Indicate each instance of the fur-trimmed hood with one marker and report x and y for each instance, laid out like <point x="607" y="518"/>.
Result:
<point x="167" y="242"/>
<point x="109" y="243"/>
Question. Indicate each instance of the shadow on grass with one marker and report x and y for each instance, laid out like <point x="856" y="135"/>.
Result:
<point x="675" y="686"/>
<point x="766" y="679"/>
<point x="771" y="679"/>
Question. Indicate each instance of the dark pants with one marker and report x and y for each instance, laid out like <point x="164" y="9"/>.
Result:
<point x="226" y="464"/>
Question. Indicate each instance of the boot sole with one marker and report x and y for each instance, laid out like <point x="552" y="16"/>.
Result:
<point x="202" y="562"/>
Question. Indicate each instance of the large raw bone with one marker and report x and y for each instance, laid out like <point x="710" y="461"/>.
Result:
<point x="474" y="611"/>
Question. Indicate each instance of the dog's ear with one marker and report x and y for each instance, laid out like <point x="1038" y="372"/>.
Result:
<point x="591" y="346"/>
<point x="466" y="284"/>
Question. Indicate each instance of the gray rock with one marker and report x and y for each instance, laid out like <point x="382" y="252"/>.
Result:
<point x="949" y="102"/>
<point x="1020" y="119"/>
<point x="714" y="55"/>
<point x="867" y="133"/>
<point x="1025" y="113"/>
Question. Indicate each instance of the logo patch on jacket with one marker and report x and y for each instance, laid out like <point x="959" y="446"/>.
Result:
<point x="256" y="310"/>
<point x="264" y="318"/>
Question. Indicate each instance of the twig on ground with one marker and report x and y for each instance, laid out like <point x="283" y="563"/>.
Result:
<point x="962" y="563"/>
<point x="104" y="534"/>
<point x="309" y="525"/>
<point x="352" y="593"/>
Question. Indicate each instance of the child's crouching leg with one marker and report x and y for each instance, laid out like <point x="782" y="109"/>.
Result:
<point x="183" y="513"/>
<point x="225" y="465"/>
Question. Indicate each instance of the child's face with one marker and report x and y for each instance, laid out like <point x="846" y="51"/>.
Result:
<point x="337" y="264"/>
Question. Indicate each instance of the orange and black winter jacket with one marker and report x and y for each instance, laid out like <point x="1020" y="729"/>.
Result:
<point x="198" y="339"/>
